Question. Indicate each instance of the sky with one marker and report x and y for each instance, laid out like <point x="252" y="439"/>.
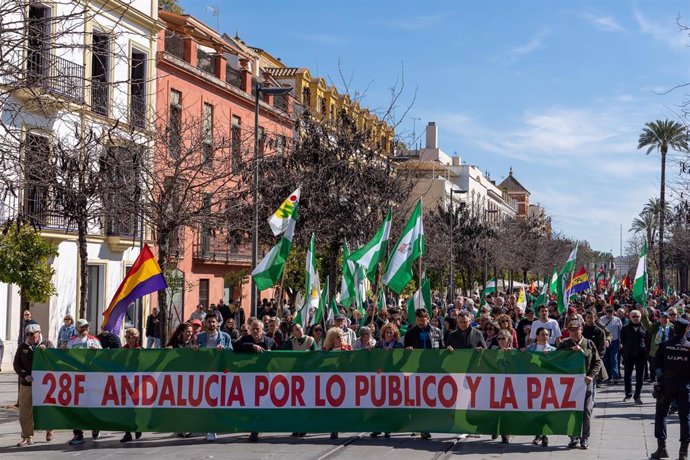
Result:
<point x="557" y="90"/>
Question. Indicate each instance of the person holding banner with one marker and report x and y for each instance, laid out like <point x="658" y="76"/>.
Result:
<point x="335" y="342"/>
<point x="541" y="346"/>
<point x="298" y="341"/>
<point x="255" y="342"/>
<point x="131" y="343"/>
<point x="23" y="364"/>
<point x="576" y="342"/>
<point x="182" y="337"/>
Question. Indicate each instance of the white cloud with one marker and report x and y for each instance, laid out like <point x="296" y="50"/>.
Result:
<point x="667" y="32"/>
<point x="604" y="23"/>
<point x="531" y="46"/>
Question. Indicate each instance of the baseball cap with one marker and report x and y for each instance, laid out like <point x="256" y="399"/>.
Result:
<point x="197" y="322"/>
<point x="339" y="316"/>
<point x="82" y="322"/>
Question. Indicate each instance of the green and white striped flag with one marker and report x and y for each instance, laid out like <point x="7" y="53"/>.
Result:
<point x="332" y="310"/>
<point x="563" y="280"/>
<point x="310" y="283"/>
<point x="360" y="289"/>
<point x="543" y="298"/>
<point x="553" y="286"/>
<point x="270" y="269"/>
<point x="371" y="254"/>
<point x="490" y="287"/>
<point x="323" y="303"/>
<point x="421" y="300"/>
<point x="347" y="285"/>
<point x="615" y="284"/>
<point x="640" y="283"/>
<point x="406" y="252"/>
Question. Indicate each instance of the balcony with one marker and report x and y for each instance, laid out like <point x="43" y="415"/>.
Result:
<point x="217" y="248"/>
<point x="99" y="97"/>
<point x="233" y="76"/>
<point x="50" y="81"/>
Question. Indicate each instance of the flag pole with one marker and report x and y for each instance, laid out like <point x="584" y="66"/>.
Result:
<point x="421" y="246"/>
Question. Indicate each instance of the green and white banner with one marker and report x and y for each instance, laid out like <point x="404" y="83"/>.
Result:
<point x="464" y="391"/>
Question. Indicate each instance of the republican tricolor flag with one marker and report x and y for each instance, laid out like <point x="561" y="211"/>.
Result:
<point x="143" y="278"/>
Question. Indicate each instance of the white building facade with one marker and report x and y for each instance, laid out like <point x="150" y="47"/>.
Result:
<point x="84" y="71"/>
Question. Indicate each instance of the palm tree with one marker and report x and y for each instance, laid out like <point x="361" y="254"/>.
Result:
<point x="646" y="223"/>
<point x="660" y="135"/>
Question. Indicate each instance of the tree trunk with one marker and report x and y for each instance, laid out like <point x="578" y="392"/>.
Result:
<point x="162" y="242"/>
<point x="83" y="270"/>
<point x="333" y="252"/>
<point x="662" y="215"/>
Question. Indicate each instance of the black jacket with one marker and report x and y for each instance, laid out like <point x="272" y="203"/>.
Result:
<point x="412" y="339"/>
<point x="596" y="335"/>
<point x="634" y="341"/>
<point x="109" y="340"/>
<point x="153" y="326"/>
<point x="467" y="340"/>
<point x="593" y="361"/>
<point x="24" y="360"/>
<point x="246" y="344"/>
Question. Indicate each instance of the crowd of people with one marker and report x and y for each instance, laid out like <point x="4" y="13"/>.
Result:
<point x="612" y="336"/>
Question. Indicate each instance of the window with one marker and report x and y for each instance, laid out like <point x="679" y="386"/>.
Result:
<point x="120" y="168"/>
<point x="322" y="105"/>
<point x="233" y="76"/>
<point x="174" y="44"/>
<point x="95" y="287"/>
<point x="137" y="89"/>
<point x="203" y="292"/>
<point x="205" y="236"/>
<point x="281" y="141"/>
<point x="38" y="51"/>
<point x="207" y="134"/>
<point x="236" y="142"/>
<point x="175" y="124"/>
<point x="206" y="60"/>
<point x="100" y="73"/>
<point x="37" y="177"/>
<point x="306" y="97"/>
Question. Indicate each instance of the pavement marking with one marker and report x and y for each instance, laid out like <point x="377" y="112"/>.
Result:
<point x="331" y="452"/>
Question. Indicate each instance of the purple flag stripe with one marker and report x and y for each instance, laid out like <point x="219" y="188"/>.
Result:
<point x="153" y="284"/>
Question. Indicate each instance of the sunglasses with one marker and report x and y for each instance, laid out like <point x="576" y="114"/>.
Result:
<point x="673" y="314"/>
<point x="501" y="338"/>
<point x="33" y="333"/>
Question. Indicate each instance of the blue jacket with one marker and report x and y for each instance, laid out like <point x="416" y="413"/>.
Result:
<point x="547" y="347"/>
<point x="223" y="339"/>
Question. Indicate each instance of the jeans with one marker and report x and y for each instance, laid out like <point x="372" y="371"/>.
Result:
<point x="611" y="360"/>
<point x="638" y="362"/>
<point x="678" y="390"/>
<point x="153" y="342"/>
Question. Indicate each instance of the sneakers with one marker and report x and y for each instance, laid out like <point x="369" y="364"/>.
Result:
<point x="426" y="436"/>
<point x="627" y="399"/>
<point x="253" y="436"/>
<point x="545" y="441"/>
<point x="95" y="434"/>
<point x="573" y="443"/>
<point x="375" y="434"/>
<point x="211" y="437"/>
<point x="127" y="437"/>
<point x="137" y="435"/>
<point x="334" y="435"/>
<point x="537" y="440"/>
<point x="638" y="401"/>
<point x="387" y="434"/>
<point x="584" y="443"/>
<point x="505" y="439"/>
<point x="77" y="440"/>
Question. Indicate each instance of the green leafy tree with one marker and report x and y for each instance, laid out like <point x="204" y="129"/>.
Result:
<point x="662" y="135"/>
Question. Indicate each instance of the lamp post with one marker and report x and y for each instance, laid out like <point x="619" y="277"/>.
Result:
<point x="255" y="183"/>
<point x="451" y="280"/>
<point x="486" y="252"/>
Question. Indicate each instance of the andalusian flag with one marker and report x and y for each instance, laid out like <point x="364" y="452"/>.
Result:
<point x="490" y="288"/>
<point x="615" y="285"/>
<point x="347" y="286"/>
<point x="564" y="279"/>
<point x="360" y="289"/>
<point x="406" y="252"/>
<point x="420" y="300"/>
<point x="371" y="254"/>
<point x="640" y="284"/>
<point x="310" y="284"/>
<point x="543" y="298"/>
<point x="332" y="310"/>
<point x="270" y="269"/>
<point x="323" y="303"/>
<point x="553" y="286"/>
<point x="280" y="219"/>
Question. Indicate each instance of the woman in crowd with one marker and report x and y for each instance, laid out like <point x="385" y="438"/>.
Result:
<point x="390" y="339"/>
<point x="541" y="345"/>
<point x="298" y="341"/>
<point x="132" y="343"/>
<point x="505" y="323"/>
<point x="366" y="340"/>
<point x="490" y="334"/>
<point x="67" y="331"/>
<point x="317" y="334"/>
<point x="504" y="340"/>
<point x="229" y="328"/>
<point x="334" y="342"/>
<point x="183" y="337"/>
<point x="274" y="332"/>
<point x="23" y="364"/>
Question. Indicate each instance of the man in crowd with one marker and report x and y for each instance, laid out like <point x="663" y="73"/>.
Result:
<point x="423" y="335"/>
<point x="153" y="329"/>
<point x="524" y="327"/>
<point x="634" y="347"/>
<point x="673" y="376"/>
<point x="576" y="342"/>
<point x="613" y="325"/>
<point x="597" y="335"/>
<point x="547" y="323"/>
<point x="465" y="337"/>
<point x="198" y="314"/>
<point x="83" y="340"/>
<point x="349" y="336"/>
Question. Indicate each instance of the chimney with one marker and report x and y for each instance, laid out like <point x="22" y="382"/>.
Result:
<point x="431" y="135"/>
<point x="456" y="161"/>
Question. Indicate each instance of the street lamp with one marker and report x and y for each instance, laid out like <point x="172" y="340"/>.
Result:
<point x="451" y="281"/>
<point x="255" y="185"/>
<point x="486" y="252"/>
